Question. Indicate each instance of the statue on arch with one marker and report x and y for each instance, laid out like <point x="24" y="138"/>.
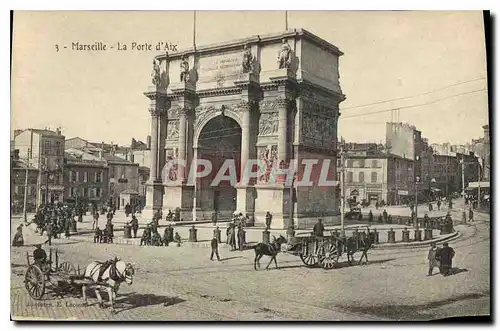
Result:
<point x="284" y="55"/>
<point x="184" y="70"/>
<point x="155" y="74"/>
<point x="248" y="60"/>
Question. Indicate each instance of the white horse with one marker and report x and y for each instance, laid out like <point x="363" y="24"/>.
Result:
<point x="115" y="272"/>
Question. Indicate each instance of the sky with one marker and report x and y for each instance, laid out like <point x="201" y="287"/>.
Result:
<point x="439" y="57"/>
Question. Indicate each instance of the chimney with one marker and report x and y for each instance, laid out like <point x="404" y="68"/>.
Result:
<point x="148" y="142"/>
<point x="132" y="145"/>
<point x="131" y="155"/>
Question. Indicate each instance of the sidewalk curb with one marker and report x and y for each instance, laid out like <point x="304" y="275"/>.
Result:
<point x="445" y="238"/>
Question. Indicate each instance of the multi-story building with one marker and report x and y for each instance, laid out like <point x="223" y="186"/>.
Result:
<point x="85" y="178"/>
<point x="471" y="168"/>
<point x="123" y="180"/>
<point x="123" y="174"/>
<point x="447" y="173"/>
<point x="44" y="150"/>
<point x="22" y="172"/>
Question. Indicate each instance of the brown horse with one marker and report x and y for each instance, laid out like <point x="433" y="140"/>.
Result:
<point x="271" y="250"/>
<point x="358" y="243"/>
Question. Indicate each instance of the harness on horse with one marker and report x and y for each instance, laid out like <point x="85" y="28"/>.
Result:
<point x="113" y="274"/>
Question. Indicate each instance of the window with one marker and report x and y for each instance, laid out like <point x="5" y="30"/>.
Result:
<point x="98" y="192"/>
<point x="77" y="178"/>
<point x="361" y="177"/>
<point x="58" y="148"/>
<point x="111" y="172"/>
<point x="85" y="177"/>
<point x="73" y="176"/>
<point x="374" y="177"/>
<point x="361" y="163"/>
<point x="349" y="177"/>
<point x="350" y="163"/>
<point x="46" y="147"/>
<point x="85" y="191"/>
<point x="374" y="164"/>
<point x="397" y="177"/>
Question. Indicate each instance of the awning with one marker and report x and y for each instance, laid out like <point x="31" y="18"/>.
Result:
<point x="479" y="184"/>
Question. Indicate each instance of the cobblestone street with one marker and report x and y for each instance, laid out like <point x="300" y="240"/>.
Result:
<point x="181" y="283"/>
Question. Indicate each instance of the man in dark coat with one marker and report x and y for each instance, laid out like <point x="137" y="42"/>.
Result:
<point x="471" y="215"/>
<point x="39" y="255"/>
<point x="146" y="236"/>
<point x="445" y="256"/>
<point x="48" y="229"/>
<point x="370" y="216"/>
<point x="135" y="225"/>
<point x="318" y="228"/>
<point x="18" y="237"/>
<point x="384" y="213"/>
<point x="269" y="218"/>
<point x="439" y="204"/>
<point x="215" y="249"/>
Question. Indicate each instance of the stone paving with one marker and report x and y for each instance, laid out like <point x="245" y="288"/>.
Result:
<point x="181" y="283"/>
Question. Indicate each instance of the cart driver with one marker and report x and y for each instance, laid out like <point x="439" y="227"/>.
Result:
<point x="40" y="257"/>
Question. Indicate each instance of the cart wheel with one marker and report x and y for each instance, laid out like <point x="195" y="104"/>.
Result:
<point x="67" y="268"/>
<point x="329" y="255"/>
<point x="309" y="260"/>
<point x="34" y="281"/>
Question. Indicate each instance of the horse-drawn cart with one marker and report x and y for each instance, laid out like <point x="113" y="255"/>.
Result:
<point x="326" y="251"/>
<point x="41" y="277"/>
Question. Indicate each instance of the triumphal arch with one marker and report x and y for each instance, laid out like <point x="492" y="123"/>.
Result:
<point x="273" y="99"/>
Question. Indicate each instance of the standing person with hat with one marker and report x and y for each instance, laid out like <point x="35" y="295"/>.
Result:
<point x="432" y="257"/>
<point x="215" y="248"/>
<point x="446" y="255"/>
<point x="319" y="228"/>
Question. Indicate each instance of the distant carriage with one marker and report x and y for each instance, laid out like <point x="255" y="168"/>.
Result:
<point x="327" y="251"/>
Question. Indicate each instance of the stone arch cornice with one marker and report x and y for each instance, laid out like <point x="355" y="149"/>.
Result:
<point x="201" y="122"/>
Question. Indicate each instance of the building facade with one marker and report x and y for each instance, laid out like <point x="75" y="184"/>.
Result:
<point x="447" y="173"/>
<point x="273" y="98"/>
<point x="85" y="178"/>
<point x="44" y="150"/>
<point x="123" y="180"/>
<point x="20" y="173"/>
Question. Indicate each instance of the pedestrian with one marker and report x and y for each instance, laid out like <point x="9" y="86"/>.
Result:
<point x="177" y="239"/>
<point x="450" y="204"/>
<point x="232" y="237"/>
<point x="18" y="237"/>
<point x="135" y="225"/>
<point x="430" y="206"/>
<point x="439" y="204"/>
<point x="97" y="236"/>
<point x="48" y="229"/>
<point x="214" y="218"/>
<point x="432" y="257"/>
<point x="318" y="228"/>
<point x="446" y="255"/>
<point x="146" y="236"/>
<point x="384" y="213"/>
<point x="269" y="218"/>
<point x="370" y="216"/>
<point x="471" y="215"/>
<point x="380" y="219"/>
<point x="241" y="238"/>
<point x="95" y="222"/>
<point x="215" y="249"/>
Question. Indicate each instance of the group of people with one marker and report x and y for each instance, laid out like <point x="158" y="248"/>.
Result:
<point x="442" y="258"/>
<point x="151" y="236"/>
<point x="55" y="219"/>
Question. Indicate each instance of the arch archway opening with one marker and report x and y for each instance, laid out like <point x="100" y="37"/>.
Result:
<point x="219" y="143"/>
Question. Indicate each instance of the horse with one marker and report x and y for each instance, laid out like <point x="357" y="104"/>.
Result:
<point x="271" y="250"/>
<point x="357" y="243"/>
<point x="107" y="275"/>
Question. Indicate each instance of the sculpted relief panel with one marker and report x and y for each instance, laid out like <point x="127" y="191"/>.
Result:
<point x="268" y="124"/>
<point x="318" y="130"/>
<point x="268" y="156"/>
<point x="173" y="130"/>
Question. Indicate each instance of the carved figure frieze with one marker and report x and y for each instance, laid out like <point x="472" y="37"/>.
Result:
<point x="155" y="74"/>
<point x="171" y="157"/>
<point x="248" y="60"/>
<point x="173" y="129"/>
<point x="318" y="130"/>
<point x="284" y="55"/>
<point x="315" y="107"/>
<point x="268" y="124"/>
<point x="268" y="157"/>
<point x="157" y="111"/>
<point x="184" y="70"/>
